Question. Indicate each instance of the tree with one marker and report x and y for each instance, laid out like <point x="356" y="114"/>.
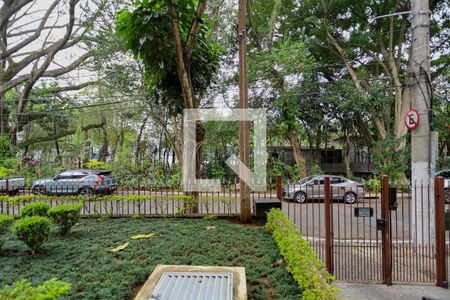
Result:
<point x="173" y="41"/>
<point x="29" y="50"/>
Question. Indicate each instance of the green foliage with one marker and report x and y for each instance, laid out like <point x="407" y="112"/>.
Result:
<point x="5" y="223"/>
<point x="210" y="217"/>
<point x="303" y="263"/>
<point x="391" y="159"/>
<point x="4" y="172"/>
<point x="278" y="167"/>
<point x="33" y="231"/>
<point x="443" y="163"/>
<point x="82" y="258"/>
<point x="35" y="209"/>
<point x="315" y="169"/>
<point x="146" y="31"/>
<point x="51" y="289"/>
<point x="65" y="216"/>
<point x="375" y="184"/>
<point x="95" y="164"/>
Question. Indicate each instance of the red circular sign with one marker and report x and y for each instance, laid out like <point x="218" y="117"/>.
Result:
<point x="412" y="119"/>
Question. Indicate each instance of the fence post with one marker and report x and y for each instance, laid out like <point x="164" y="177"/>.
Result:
<point x="386" y="231"/>
<point x="279" y="184"/>
<point x="328" y="227"/>
<point x="439" y="208"/>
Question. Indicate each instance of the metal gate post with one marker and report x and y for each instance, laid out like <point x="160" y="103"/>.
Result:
<point x="439" y="207"/>
<point x="386" y="231"/>
<point x="279" y="184"/>
<point x="328" y="227"/>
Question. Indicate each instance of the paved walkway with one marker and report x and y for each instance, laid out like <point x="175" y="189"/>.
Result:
<point x="356" y="291"/>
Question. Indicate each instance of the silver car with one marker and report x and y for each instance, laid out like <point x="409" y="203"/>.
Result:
<point x="312" y="187"/>
<point x="76" y="182"/>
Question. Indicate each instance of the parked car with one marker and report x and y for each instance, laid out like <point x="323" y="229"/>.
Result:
<point x="446" y="175"/>
<point x="11" y="185"/>
<point x="76" y="182"/>
<point x="312" y="187"/>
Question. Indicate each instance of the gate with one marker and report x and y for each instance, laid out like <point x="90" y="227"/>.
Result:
<point x="373" y="239"/>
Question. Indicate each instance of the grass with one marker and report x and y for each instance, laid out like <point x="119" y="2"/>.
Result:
<point x="84" y="260"/>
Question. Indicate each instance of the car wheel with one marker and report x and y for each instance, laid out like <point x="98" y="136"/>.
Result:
<point x="350" y="198"/>
<point x="300" y="197"/>
<point x="86" y="192"/>
<point x="38" y="190"/>
<point x="447" y="196"/>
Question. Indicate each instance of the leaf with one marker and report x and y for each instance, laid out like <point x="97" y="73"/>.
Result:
<point x="210" y="227"/>
<point x="121" y="247"/>
<point x="143" y="236"/>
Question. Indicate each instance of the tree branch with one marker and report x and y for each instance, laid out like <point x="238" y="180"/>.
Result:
<point x="59" y="135"/>
<point x="33" y="37"/>
<point x="9" y="8"/>
<point x="194" y="28"/>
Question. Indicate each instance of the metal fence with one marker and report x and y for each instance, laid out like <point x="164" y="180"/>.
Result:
<point x="371" y="239"/>
<point x="386" y="236"/>
<point x="144" y="201"/>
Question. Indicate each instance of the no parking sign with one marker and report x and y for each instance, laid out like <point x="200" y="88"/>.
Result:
<point x="412" y="119"/>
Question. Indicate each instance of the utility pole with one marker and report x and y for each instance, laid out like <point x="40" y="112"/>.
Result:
<point x="244" y="152"/>
<point x="422" y="165"/>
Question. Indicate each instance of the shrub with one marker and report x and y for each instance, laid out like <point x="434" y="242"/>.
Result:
<point x="65" y="216"/>
<point x="33" y="231"/>
<point x="51" y="289"/>
<point x="306" y="268"/>
<point x="35" y="209"/>
<point x="5" y="223"/>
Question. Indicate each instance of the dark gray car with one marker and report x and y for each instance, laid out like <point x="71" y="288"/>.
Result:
<point x="76" y="182"/>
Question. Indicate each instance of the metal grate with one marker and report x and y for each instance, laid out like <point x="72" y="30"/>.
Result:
<point x="194" y="286"/>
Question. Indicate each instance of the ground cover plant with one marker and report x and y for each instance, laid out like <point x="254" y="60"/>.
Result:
<point x="84" y="259"/>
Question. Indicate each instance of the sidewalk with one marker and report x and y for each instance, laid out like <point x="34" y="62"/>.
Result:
<point x="356" y="291"/>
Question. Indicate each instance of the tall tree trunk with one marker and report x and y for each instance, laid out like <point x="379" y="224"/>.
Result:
<point x="139" y="139"/>
<point x="346" y="154"/>
<point x="296" y="149"/>
<point x="104" y="149"/>
<point x="183" y="52"/>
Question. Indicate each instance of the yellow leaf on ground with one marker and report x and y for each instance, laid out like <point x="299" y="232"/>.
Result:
<point x="210" y="227"/>
<point x="142" y="236"/>
<point x="121" y="247"/>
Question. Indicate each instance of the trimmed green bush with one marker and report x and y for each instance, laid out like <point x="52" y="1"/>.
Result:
<point x="33" y="231"/>
<point x="5" y="223"/>
<point x="35" y="209"/>
<point x="65" y="216"/>
<point x="306" y="268"/>
<point x="51" y="289"/>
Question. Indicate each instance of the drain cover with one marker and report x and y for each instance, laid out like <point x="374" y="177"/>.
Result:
<point x="194" y="286"/>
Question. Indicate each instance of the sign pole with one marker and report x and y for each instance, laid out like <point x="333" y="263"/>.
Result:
<point x="421" y="164"/>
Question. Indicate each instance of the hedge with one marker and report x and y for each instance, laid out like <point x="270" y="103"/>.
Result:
<point x="76" y="198"/>
<point x="65" y="216"/>
<point x="35" y="209"/>
<point x="52" y="289"/>
<point x="33" y="231"/>
<point x="302" y="262"/>
<point x="5" y="223"/>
